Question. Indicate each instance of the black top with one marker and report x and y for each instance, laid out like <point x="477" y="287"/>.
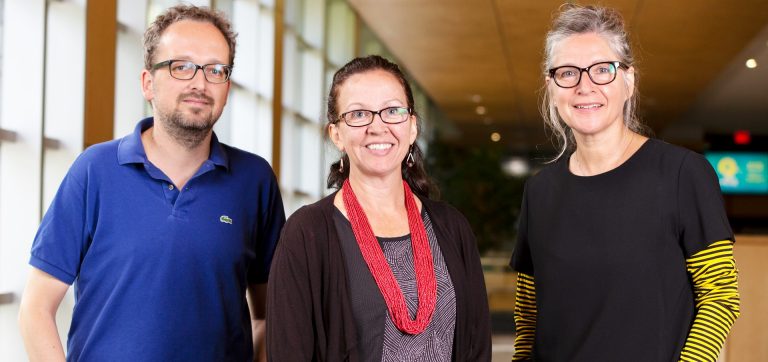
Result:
<point x="377" y="335"/>
<point x="608" y="254"/>
<point x="309" y="313"/>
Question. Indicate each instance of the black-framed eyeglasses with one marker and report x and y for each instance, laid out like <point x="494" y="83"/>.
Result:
<point x="185" y="70"/>
<point x="364" y="117"/>
<point x="600" y="73"/>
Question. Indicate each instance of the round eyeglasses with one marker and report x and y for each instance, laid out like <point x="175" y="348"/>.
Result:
<point x="601" y="73"/>
<point x="185" y="70"/>
<point x="364" y="117"/>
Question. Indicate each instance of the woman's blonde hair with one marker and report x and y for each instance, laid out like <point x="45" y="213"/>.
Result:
<point x="608" y="23"/>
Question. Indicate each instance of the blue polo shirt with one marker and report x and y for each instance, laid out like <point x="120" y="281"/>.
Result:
<point x="160" y="274"/>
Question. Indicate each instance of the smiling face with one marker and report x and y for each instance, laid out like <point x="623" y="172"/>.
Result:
<point x="194" y="105"/>
<point x="378" y="149"/>
<point x="589" y="109"/>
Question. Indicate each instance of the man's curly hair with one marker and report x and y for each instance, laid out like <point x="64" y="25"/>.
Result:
<point x="186" y="12"/>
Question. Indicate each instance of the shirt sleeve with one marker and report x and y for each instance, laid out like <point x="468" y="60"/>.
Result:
<point x="271" y="221"/>
<point x="63" y="238"/>
<point x="521" y="257"/>
<point x="701" y="211"/>
<point x="715" y="285"/>
<point x="525" y="317"/>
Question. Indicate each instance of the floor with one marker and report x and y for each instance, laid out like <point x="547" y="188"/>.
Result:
<point x="503" y="348"/>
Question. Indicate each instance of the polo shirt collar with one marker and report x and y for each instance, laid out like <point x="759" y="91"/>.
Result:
<point x="131" y="149"/>
<point x="218" y="154"/>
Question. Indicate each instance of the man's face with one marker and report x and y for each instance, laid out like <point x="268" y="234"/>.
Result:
<point x="193" y="105"/>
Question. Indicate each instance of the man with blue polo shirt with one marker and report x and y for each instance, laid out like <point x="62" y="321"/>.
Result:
<point x="167" y="234"/>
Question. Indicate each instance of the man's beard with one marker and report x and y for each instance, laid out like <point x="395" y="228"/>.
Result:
<point x="187" y="132"/>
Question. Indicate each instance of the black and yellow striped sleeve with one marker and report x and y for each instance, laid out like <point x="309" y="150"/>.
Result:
<point x="525" y="317"/>
<point x="715" y="285"/>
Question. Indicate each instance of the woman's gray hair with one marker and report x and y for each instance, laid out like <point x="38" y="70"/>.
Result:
<point x="576" y="19"/>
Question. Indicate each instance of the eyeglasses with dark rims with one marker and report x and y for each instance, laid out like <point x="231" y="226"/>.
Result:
<point x="364" y="117"/>
<point x="186" y="70"/>
<point x="601" y="73"/>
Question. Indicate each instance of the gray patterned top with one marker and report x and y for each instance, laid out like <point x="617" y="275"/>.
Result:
<point x="378" y="338"/>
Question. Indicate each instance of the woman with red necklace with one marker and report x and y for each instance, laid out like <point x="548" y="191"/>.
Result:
<point x="376" y="271"/>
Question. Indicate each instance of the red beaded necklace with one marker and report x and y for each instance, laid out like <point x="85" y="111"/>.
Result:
<point x="382" y="273"/>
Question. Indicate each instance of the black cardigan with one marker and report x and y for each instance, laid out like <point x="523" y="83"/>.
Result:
<point x="309" y="315"/>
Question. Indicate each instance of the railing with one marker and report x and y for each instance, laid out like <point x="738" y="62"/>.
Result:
<point x="8" y="136"/>
<point x="7" y="298"/>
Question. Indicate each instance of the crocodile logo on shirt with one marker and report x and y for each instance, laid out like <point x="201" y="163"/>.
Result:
<point x="225" y="219"/>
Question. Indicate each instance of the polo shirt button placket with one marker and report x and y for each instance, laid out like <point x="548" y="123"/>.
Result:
<point x="171" y="194"/>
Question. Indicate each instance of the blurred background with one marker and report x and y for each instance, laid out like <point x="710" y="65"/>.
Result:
<point x="69" y="78"/>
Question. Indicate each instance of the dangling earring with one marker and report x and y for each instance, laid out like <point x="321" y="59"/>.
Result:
<point x="341" y="164"/>
<point x="409" y="160"/>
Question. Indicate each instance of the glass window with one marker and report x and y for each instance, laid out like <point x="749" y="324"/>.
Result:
<point x="288" y="170"/>
<point x="2" y="7"/>
<point x="3" y="133"/>
<point x="64" y="74"/>
<point x="304" y="74"/>
<point x="254" y="61"/>
<point x="302" y="140"/>
<point x="310" y="142"/>
<point x="340" y="48"/>
<point x="302" y="174"/>
<point x="247" y="119"/>
<point x="250" y="122"/>
<point x="22" y="44"/>
<point x="312" y="75"/>
<point x="130" y="105"/>
<point x="291" y="75"/>
<point x="313" y="17"/>
<point x="341" y="30"/>
<point x="292" y="13"/>
<point x="45" y="114"/>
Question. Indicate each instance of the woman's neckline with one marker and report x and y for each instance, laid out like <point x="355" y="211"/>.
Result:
<point x="407" y="236"/>
<point x="627" y="163"/>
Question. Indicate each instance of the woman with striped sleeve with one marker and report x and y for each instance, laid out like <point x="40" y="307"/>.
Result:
<point x="624" y="251"/>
